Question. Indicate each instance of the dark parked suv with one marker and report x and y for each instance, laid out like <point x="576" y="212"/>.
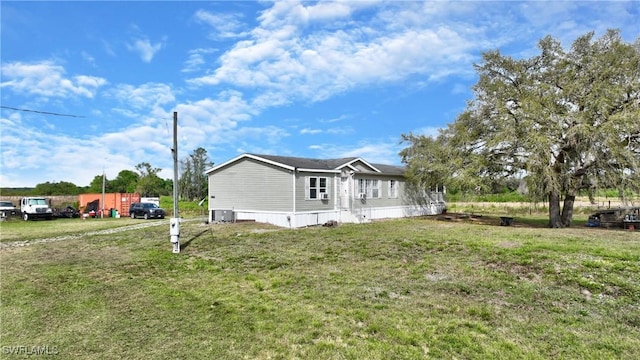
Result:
<point x="146" y="211"/>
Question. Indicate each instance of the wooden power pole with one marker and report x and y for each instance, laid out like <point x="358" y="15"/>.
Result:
<point x="174" y="223"/>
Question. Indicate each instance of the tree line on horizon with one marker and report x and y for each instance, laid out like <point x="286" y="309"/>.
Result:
<point x="144" y="181"/>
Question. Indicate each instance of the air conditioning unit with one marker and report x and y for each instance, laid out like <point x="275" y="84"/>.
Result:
<point x="324" y="196"/>
<point x="362" y="196"/>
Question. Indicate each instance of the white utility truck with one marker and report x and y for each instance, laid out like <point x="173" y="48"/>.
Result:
<point x="35" y="207"/>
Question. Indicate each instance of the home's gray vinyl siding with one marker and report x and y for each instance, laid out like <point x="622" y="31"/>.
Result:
<point x="360" y="166"/>
<point x="397" y="201"/>
<point x="251" y="185"/>
<point x="402" y="195"/>
<point x="302" y="204"/>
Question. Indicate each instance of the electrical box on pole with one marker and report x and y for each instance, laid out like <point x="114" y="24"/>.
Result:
<point x="174" y="229"/>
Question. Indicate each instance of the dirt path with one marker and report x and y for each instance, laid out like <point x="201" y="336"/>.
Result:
<point x="580" y="203"/>
<point x="142" y="225"/>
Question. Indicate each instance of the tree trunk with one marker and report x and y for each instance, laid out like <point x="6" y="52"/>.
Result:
<point x="567" y="210"/>
<point x="555" y="220"/>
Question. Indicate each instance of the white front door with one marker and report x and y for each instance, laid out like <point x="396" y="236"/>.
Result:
<point x="345" y="191"/>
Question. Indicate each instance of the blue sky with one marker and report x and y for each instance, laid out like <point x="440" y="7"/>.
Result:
<point x="308" y="79"/>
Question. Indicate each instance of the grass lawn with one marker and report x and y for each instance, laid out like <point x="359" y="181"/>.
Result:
<point x="16" y="229"/>
<point x="398" y="289"/>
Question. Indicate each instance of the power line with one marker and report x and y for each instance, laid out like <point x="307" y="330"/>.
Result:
<point x="41" y="112"/>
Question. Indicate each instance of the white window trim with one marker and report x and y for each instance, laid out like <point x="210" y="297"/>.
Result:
<point x="320" y="189"/>
<point x="368" y="186"/>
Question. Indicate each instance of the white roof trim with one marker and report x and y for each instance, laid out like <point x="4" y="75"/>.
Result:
<point x="349" y="164"/>
<point x="351" y="167"/>
<point x="336" y="171"/>
<point x="224" y="164"/>
<point x="288" y="167"/>
<point x="258" y="158"/>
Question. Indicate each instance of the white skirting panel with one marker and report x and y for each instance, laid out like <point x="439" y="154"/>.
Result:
<point x="289" y="220"/>
<point x="404" y="211"/>
<point x="360" y="215"/>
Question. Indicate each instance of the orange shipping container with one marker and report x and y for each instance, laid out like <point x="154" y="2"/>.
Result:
<point x="118" y="201"/>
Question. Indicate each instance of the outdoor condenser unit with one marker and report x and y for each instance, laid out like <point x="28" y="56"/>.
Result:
<point x="223" y="215"/>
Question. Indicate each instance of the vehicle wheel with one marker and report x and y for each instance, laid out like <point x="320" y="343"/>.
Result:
<point x="133" y="215"/>
<point x="25" y="216"/>
<point x="146" y="216"/>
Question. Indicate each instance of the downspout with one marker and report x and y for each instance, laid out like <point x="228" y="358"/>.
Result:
<point x="352" y="190"/>
<point x="293" y="193"/>
<point x="336" y="178"/>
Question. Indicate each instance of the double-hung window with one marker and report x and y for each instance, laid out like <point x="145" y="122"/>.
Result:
<point x="315" y="187"/>
<point x="393" y="189"/>
<point x="370" y="187"/>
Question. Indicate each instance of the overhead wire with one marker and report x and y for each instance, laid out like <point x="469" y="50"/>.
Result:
<point x="41" y="112"/>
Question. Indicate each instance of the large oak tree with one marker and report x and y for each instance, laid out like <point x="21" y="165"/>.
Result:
<point x="566" y="119"/>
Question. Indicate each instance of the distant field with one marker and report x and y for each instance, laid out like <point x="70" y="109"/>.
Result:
<point x="582" y="208"/>
<point x="400" y="289"/>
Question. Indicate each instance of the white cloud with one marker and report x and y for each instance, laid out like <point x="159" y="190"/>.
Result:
<point x="66" y="152"/>
<point x="270" y="98"/>
<point x="47" y="78"/>
<point x="341" y="130"/>
<point x="324" y="11"/>
<point x="284" y="13"/>
<point x="144" y="48"/>
<point x="310" y="131"/>
<point x="336" y="119"/>
<point x="258" y="140"/>
<point x="226" y="110"/>
<point x="143" y="97"/>
<point x="88" y="58"/>
<point x="375" y="151"/>
<point x="318" y="65"/>
<point x="429" y="131"/>
<point x="224" y="26"/>
<point x="214" y="122"/>
<point x="196" y="59"/>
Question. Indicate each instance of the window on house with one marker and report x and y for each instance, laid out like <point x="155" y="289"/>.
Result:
<point x="316" y="186"/>
<point x="393" y="188"/>
<point x="370" y="187"/>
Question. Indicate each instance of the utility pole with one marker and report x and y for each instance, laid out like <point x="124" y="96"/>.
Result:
<point x="174" y="223"/>
<point x="102" y="202"/>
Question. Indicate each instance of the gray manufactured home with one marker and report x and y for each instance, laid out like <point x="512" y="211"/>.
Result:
<point x="297" y="192"/>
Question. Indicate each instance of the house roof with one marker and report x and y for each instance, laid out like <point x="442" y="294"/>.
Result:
<point x="309" y="164"/>
<point x="390" y="169"/>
